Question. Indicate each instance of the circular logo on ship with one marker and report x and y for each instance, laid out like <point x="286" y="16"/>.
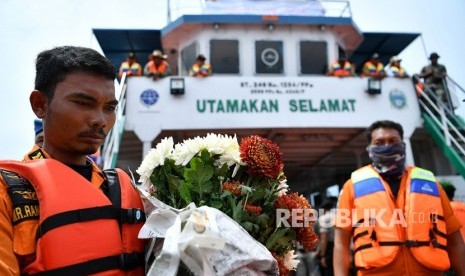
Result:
<point x="149" y="97"/>
<point x="397" y="98"/>
<point x="270" y="57"/>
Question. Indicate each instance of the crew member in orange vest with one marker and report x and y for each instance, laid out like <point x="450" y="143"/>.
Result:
<point x="59" y="213"/>
<point x="157" y="67"/>
<point x="201" y="68"/>
<point x="374" y="68"/>
<point x="130" y="66"/>
<point x="398" y="218"/>
<point x="457" y="206"/>
<point x="341" y="68"/>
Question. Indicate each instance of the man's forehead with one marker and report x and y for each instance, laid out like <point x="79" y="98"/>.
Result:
<point x="382" y="131"/>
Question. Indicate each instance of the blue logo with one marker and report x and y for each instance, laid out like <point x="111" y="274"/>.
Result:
<point x="149" y="97"/>
<point x="397" y="99"/>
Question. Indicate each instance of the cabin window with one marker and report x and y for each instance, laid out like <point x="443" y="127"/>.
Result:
<point x="224" y="56"/>
<point x="188" y="56"/>
<point x="313" y="57"/>
<point x="269" y="57"/>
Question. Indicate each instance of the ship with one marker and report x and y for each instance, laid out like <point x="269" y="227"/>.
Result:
<point x="269" y="61"/>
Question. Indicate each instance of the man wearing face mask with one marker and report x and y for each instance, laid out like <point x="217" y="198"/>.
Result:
<point x="398" y="218"/>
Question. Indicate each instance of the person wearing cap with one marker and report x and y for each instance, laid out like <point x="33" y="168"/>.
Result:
<point x="374" y="68"/>
<point x="394" y="69"/>
<point x="130" y="66"/>
<point x="434" y="75"/>
<point x="39" y="132"/>
<point x="201" y="68"/>
<point x="157" y="67"/>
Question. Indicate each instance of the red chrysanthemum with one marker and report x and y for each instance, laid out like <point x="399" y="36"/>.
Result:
<point x="307" y="238"/>
<point x="254" y="210"/>
<point x="262" y="156"/>
<point x="283" y="271"/>
<point x="232" y="186"/>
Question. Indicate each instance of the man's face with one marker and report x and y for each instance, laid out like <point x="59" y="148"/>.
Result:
<point x="385" y="137"/>
<point x="157" y="60"/>
<point x="79" y="116"/>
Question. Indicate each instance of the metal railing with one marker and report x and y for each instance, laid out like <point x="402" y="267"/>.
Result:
<point x="443" y="116"/>
<point x="327" y="8"/>
<point x="111" y="145"/>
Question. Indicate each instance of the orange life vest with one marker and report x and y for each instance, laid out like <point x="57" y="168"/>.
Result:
<point x="81" y="231"/>
<point x="459" y="211"/>
<point x="372" y="69"/>
<point x="161" y="68"/>
<point x="339" y="71"/>
<point x="381" y="228"/>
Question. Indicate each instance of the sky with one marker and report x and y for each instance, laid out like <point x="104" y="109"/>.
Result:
<point x="28" y="27"/>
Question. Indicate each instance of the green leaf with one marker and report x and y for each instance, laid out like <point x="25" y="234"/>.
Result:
<point x="184" y="192"/>
<point x="199" y="175"/>
<point x="280" y="238"/>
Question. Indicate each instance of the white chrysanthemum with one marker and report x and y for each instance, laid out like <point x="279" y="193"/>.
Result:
<point x="156" y="157"/>
<point x="290" y="260"/>
<point x="283" y="188"/>
<point x="215" y="144"/>
<point x="185" y="151"/>
<point x="230" y="154"/>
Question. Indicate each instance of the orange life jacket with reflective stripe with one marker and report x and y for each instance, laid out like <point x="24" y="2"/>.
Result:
<point x="373" y="70"/>
<point x="81" y="231"/>
<point x="381" y="229"/>
<point x="339" y="71"/>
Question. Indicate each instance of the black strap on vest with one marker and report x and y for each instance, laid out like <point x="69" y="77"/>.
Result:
<point x="131" y="216"/>
<point x="127" y="262"/>
<point x="112" y="189"/>
<point x="433" y="232"/>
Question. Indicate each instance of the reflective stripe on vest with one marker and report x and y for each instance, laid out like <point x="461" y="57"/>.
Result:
<point x="377" y="235"/>
<point x="76" y="240"/>
<point x="374" y="69"/>
<point x="339" y="71"/>
<point x="426" y="231"/>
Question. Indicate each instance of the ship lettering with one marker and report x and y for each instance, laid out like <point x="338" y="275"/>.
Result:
<point x="237" y="106"/>
<point x="324" y="105"/>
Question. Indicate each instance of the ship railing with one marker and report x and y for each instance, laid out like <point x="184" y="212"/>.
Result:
<point x="326" y="8"/>
<point x="110" y="147"/>
<point x="442" y="114"/>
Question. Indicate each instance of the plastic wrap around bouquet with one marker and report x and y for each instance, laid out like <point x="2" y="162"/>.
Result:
<point x="221" y="208"/>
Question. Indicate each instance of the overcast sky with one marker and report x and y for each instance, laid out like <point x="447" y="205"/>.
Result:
<point x="30" y="26"/>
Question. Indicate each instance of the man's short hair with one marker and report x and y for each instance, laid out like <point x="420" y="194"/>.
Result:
<point x="52" y="66"/>
<point x="384" y="124"/>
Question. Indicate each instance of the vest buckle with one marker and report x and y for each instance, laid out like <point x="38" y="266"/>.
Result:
<point x="132" y="215"/>
<point x="129" y="261"/>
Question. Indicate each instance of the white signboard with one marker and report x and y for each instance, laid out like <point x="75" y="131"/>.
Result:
<point x="267" y="102"/>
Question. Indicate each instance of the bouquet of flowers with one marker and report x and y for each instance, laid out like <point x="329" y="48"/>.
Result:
<point x="244" y="181"/>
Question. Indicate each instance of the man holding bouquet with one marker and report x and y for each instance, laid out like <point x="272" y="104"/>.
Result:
<point x="59" y="213"/>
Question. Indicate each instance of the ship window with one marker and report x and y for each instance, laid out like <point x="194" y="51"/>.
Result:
<point x="188" y="56"/>
<point x="269" y="57"/>
<point x="313" y="58"/>
<point x="224" y="56"/>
